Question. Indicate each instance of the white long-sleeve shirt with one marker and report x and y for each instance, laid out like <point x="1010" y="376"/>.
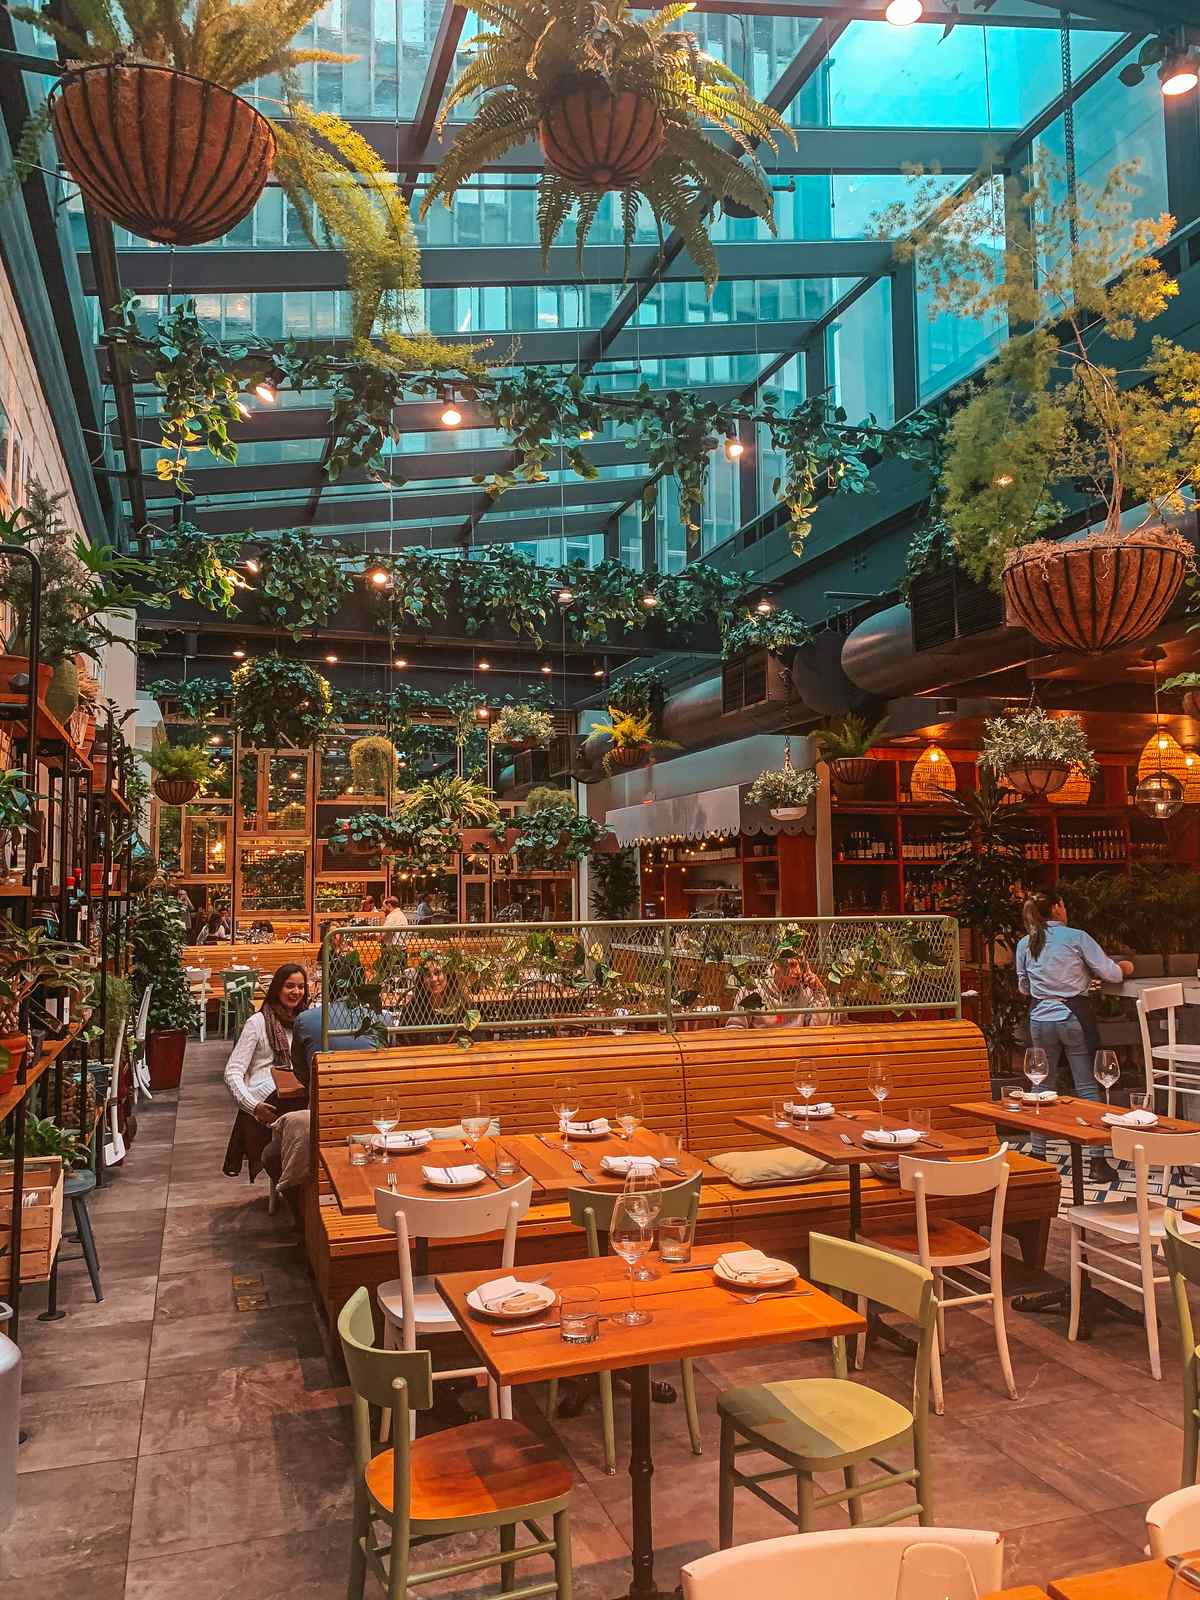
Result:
<point x="248" y="1070"/>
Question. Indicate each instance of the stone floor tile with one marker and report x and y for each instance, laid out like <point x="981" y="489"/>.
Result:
<point x="69" y="1520"/>
<point x="217" y="1340"/>
<point x="54" y="1359"/>
<point x="312" y="1563"/>
<point x="239" y="1403"/>
<point x="100" y="1423"/>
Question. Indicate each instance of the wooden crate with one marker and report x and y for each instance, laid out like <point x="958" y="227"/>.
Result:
<point x="41" y="1218"/>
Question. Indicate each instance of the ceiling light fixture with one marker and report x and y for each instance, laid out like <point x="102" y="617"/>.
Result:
<point x="547" y="668"/>
<point x="239" y="655"/>
<point x="598" y="672"/>
<point x="483" y="666"/>
<point x="401" y="662"/>
<point x="483" y="712"/>
<point x="214" y="738"/>
<point x="565" y="596"/>
<point x="1003" y="480"/>
<point x="734" y="448"/>
<point x="765" y="607"/>
<point x="379" y="576"/>
<point x="265" y="393"/>
<point x="1179" y="73"/>
<point x="332" y="660"/>
<point x="903" y="13"/>
<point x="650" y="599"/>
<point x="451" y="416"/>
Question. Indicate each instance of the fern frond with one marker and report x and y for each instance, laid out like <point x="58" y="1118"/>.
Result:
<point x="555" y="198"/>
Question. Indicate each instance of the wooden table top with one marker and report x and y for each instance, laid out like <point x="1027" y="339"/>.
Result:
<point x="1062" y="1119"/>
<point x="692" y="1316"/>
<point x="824" y="1138"/>
<point x="355" y="1186"/>
<point x="1027" y="1591"/>
<point x="542" y="1156"/>
<point x="1144" y="1580"/>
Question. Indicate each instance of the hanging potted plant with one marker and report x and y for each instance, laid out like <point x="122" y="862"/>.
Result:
<point x="626" y="740"/>
<point x="845" y="748"/>
<point x="786" y="792"/>
<point x="458" y="812"/>
<point x="550" y="834"/>
<point x="374" y="764"/>
<point x="279" y="704"/>
<point x="522" y="728"/>
<point x="179" y="771"/>
<point x="616" y="102"/>
<point x="1034" y="752"/>
<point x="156" y="939"/>
<point x="1189" y="682"/>
<point x="1049" y="422"/>
<point x="756" y="655"/>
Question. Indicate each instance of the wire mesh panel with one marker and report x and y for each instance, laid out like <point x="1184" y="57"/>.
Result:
<point x="438" y="983"/>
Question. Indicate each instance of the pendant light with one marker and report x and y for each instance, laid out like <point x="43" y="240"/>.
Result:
<point x="933" y="776"/>
<point x="1159" y="794"/>
<point x="1077" y="790"/>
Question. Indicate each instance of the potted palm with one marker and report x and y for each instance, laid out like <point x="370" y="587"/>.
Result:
<point x="179" y="771"/>
<point x="845" y="748"/>
<point x="522" y="728"/>
<point x="1051" y="423"/>
<point x="1033" y="752"/>
<point x="617" y="102"/>
<point x="787" y="793"/>
<point x="156" y="939"/>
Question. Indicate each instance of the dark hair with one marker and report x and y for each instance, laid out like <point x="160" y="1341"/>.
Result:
<point x="280" y="977"/>
<point x="215" y="919"/>
<point x="1035" y="914"/>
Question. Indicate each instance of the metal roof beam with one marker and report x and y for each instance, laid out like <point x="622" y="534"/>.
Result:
<point x="437" y="75"/>
<point x="1085" y="15"/>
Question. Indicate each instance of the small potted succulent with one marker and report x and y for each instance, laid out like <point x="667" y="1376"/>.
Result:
<point x="845" y="748"/>
<point x="1034" y="752"/>
<point x="786" y="792"/>
<point x="179" y="771"/>
<point x="522" y="728"/>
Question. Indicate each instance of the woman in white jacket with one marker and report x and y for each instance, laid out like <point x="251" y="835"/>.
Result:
<point x="264" y="1046"/>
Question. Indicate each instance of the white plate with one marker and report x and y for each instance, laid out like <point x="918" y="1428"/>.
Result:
<point x="439" y="1183"/>
<point x="1113" y="1119"/>
<point x="546" y="1298"/>
<point x="757" y="1283"/>
<point x="595" y="1134"/>
<point x="813" y="1116"/>
<point x="1046" y="1098"/>
<point x="398" y="1144"/>
<point x="871" y="1137"/>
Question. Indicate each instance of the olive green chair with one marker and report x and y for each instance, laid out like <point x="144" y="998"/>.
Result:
<point x="491" y="1474"/>
<point x="1183" y="1264"/>
<point x="591" y="1210"/>
<point x="823" y="1425"/>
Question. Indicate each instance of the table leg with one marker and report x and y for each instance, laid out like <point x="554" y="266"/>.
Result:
<point x="855" y="1199"/>
<point x="641" y="1471"/>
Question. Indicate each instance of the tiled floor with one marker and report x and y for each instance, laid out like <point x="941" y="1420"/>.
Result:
<point x="179" y="1445"/>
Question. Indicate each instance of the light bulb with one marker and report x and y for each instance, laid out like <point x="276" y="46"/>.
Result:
<point x="1003" y="480"/>
<point x="734" y="448"/>
<point x="252" y="565"/>
<point x="265" y="393"/>
<point x="598" y="672"/>
<point x="1163" y="742"/>
<point x="903" y="13"/>
<point x="764" y="607"/>
<point x="933" y="756"/>
<point x="379" y="576"/>
<point x="565" y="596"/>
<point x="401" y="662"/>
<point x="332" y="660"/>
<point x="484" y="666"/>
<point x="239" y="655"/>
<point x="483" y="713"/>
<point x="1178" y="74"/>
<point x="451" y="415"/>
<point x="215" y="738"/>
<point x="649" y="600"/>
<point x="547" y="669"/>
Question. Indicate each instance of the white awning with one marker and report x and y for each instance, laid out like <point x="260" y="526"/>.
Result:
<point x="709" y="812"/>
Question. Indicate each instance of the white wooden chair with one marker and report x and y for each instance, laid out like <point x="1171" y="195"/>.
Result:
<point x="943" y="1245"/>
<point x="834" y="1565"/>
<point x="113" y="1141"/>
<point x="198" y="979"/>
<point x="141" y="1067"/>
<point x="1171" y="1066"/>
<point x="412" y="1307"/>
<point x="1173" y="1523"/>
<point x="1132" y="1225"/>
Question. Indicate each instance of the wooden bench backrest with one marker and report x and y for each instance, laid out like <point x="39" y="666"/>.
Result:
<point x="728" y="1071"/>
<point x="265" y="957"/>
<point x="518" y="1079"/>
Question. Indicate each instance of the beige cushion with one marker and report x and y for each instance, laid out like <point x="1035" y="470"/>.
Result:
<point x="780" y="1164"/>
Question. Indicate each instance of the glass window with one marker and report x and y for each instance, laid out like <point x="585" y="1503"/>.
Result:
<point x="858" y="355"/>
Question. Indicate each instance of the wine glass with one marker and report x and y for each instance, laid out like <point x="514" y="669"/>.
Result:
<point x="627" y="1237"/>
<point x="879" y="1081"/>
<point x="629" y="1112"/>
<point x="1037" y="1070"/>
<point x="1106" y="1069"/>
<point x="385" y="1114"/>
<point x="935" y="1571"/>
<point x="476" y="1119"/>
<point x="806" y="1083"/>
<point x="643" y="1201"/>
<point x="565" y="1103"/>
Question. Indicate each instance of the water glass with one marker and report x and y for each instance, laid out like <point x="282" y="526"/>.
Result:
<point x="1141" y="1100"/>
<point x="505" y="1165"/>
<point x="360" y="1149"/>
<point x="920" y="1118"/>
<point x="579" y="1315"/>
<point x="674" y="1239"/>
<point x="781" y="1111"/>
<point x="1012" y="1094"/>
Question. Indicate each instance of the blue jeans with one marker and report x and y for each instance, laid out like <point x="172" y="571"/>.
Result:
<point x="1054" y="1037"/>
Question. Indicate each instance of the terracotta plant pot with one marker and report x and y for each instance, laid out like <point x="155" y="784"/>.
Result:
<point x="13" y="667"/>
<point x="12" y="1053"/>
<point x="1191" y="702"/>
<point x="1095" y="593"/>
<point x="1037" y="779"/>
<point x="169" y="156"/>
<point x="175" y="791"/>
<point x="628" y="755"/>
<point x="164" y="1056"/>
<point x="599" y="140"/>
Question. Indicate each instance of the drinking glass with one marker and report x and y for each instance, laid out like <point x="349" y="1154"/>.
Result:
<point x="1012" y="1094"/>
<point x="385" y="1115"/>
<point x="920" y="1118"/>
<point x="627" y="1237"/>
<point x="674" y="1239"/>
<point x="505" y="1161"/>
<point x="476" y="1119"/>
<point x="1141" y="1100"/>
<point x="806" y="1084"/>
<point x="931" y="1571"/>
<point x="1037" y="1070"/>
<point x="879" y="1081"/>
<point x="1106" y="1069"/>
<point x="359" y="1145"/>
<point x="579" y="1315"/>
<point x="781" y="1111"/>
<point x="629" y="1112"/>
<point x="564" y="1103"/>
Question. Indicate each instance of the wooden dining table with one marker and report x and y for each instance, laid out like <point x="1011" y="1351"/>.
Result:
<point x="692" y="1314"/>
<point x="1142" y="1580"/>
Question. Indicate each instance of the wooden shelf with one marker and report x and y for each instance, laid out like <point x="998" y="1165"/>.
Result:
<point x="49" y="730"/>
<point x="49" y="1055"/>
<point x="872" y="863"/>
<point x="15" y="891"/>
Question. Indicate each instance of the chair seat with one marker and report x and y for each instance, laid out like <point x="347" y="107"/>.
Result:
<point x="473" y="1471"/>
<point x="818" y="1423"/>
<point x="430" y="1310"/>
<point x="81" y="1181"/>
<point x="949" y="1242"/>
<point x="1121" y="1219"/>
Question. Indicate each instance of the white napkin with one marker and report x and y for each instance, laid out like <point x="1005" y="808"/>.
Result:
<point x="819" y="1108"/>
<point x="406" y="1139"/>
<point x="1039" y="1094"/>
<point x="622" y="1166"/>
<point x="1131" y="1119"/>
<point x="596" y="1125"/>
<point x="453" y="1175"/>
<point x="755" y="1266"/>
<point x="495" y="1294"/>
<point x="901" y="1136"/>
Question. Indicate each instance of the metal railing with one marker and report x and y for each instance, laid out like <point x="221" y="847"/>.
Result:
<point x="433" y="983"/>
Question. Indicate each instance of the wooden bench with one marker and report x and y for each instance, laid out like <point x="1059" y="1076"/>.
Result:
<point x="693" y="1082"/>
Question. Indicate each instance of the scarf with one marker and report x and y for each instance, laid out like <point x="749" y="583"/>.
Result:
<point x="279" y="1035"/>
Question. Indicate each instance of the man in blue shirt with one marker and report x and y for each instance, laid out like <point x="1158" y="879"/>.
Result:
<point x="1055" y="967"/>
<point x="306" y="1036"/>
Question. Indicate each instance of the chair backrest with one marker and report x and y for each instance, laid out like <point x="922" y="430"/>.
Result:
<point x="1145" y="1149"/>
<point x="592" y="1209"/>
<point x="1182" y="1254"/>
<point x="830" y="1566"/>
<point x="925" y="1177"/>
<point x="1166" y="997"/>
<point x="1173" y="1523"/>
<point x="905" y="1286"/>
<point x="143" y="1015"/>
<point x="396" y="1380"/>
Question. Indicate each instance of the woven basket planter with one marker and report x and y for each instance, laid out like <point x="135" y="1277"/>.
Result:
<point x="175" y="791"/>
<point x="628" y="755"/>
<point x="600" y="140"/>
<point x="1095" y="593"/>
<point x="1037" y="779"/>
<point x="851" y="775"/>
<point x="169" y="156"/>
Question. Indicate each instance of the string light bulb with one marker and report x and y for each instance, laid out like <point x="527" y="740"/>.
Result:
<point x="379" y="576"/>
<point x="1179" y="74"/>
<point x="265" y="393"/>
<point x="903" y="13"/>
<point x="484" y="666"/>
<point x="239" y="655"/>
<point x="451" y="416"/>
<point x="764" y="607"/>
<point x="565" y="596"/>
<point x="650" y="599"/>
<point x="332" y="659"/>
<point x="734" y="448"/>
<point x="400" y="663"/>
<point x="483" y="713"/>
<point x="547" y="669"/>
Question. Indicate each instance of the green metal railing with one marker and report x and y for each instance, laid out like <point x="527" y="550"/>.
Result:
<point x="488" y="980"/>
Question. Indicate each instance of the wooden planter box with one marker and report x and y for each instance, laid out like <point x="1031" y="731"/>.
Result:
<point x="41" y="1218"/>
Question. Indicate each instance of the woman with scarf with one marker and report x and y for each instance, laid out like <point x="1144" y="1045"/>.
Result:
<point x="259" y="1070"/>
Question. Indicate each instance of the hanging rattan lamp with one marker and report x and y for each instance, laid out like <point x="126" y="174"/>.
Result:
<point x="1077" y="790"/>
<point x="1191" y="777"/>
<point x="1162" y="768"/>
<point x="1163" y="753"/>
<point x="933" y="777"/>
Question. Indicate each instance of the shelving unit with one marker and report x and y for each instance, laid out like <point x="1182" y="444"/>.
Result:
<point x="745" y="875"/>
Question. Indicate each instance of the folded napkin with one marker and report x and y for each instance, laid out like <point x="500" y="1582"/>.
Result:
<point x="510" y="1294"/>
<point x="406" y="1139"/>
<point x="596" y="1125"/>
<point x="754" y="1266"/>
<point x="819" y="1108"/>
<point x="1132" y="1119"/>
<point x="885" y="1136"/>
<point x="1039" y="1094"/>
<point x="453" y="1175"/>
<point x="622" y="1166"/>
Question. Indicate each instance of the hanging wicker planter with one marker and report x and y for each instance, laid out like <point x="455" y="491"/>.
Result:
<point x="1095" y="593"/>
<point x="169" y="156"/>
<point x="628" y="755"/>
<point x="1037" y="779"/>
<point x="851" y="775"/>
<point x="175" y="791"/>
<point x="599" y="140"/>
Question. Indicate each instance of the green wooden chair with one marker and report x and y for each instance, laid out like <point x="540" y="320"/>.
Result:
<point x="237" y="1000"/>
<point x="592" y="1210"/>
<point x="821" y="1425"/>
<point x="1183" y="1263"/>
<point x="492" y="1474"/>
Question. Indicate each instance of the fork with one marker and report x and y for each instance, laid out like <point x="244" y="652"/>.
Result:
<point x="770" y="1294"/>
<point x="580" y="1168"/>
